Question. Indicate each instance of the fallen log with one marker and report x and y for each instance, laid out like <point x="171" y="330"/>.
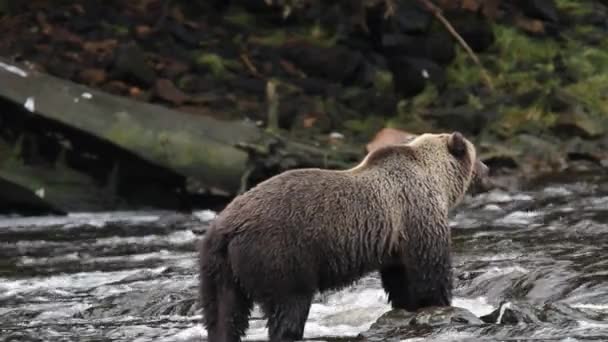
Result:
<point x="206" y="154"/>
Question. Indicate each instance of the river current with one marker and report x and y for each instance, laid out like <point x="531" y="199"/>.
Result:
<point x="131" y="276"/>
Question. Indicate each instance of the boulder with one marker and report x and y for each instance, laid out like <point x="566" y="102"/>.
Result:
<point x="576" y="122"/>
<point x="130" y="64"/>
<point x="335" y="63"/>
<point x="541" y="9"/>
<point x="410" y="75"/>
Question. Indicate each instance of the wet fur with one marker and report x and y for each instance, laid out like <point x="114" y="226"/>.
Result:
<point x="312" y="230"/>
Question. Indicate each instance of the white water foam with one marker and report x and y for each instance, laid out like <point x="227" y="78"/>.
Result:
<point x="343" y="314"/>
<point x="518" y="218"/>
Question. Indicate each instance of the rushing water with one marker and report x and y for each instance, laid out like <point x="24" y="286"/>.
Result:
<point x="131" y="276"/>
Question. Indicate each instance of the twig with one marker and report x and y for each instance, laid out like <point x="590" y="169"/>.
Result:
<point x="272" y="100"/>
<point x="436" y="11"/>
<point x="254" y="71"/>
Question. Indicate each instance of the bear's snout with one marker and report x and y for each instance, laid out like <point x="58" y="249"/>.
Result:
<point x="482" y="171"/>
<point x="481" y="181"/>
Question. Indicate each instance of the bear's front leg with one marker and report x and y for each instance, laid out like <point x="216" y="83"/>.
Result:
<point x="395" y="283"/>
<point x="287" y="317"/>
<point x="428" y="268"/>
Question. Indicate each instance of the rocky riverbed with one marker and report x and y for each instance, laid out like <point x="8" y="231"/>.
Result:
<point x="528" y="265"/>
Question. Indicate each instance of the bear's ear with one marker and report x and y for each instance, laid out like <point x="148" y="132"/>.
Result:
<point x="457" y="145"/>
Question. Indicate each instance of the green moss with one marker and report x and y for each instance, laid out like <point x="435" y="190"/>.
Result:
<point x="592" y="92"/>
<point x="383" y="81"/>
<point x="118" y="30"/>
<point x="213" y="62"/>
<point x="574" y="7"/>
<point x="410" y="111"/>
<point x="513" y="120"/>
<point x="273" y="38"/>
<point x="461" y="73"/>
<point x="364" y="128"/>
<point x="177" y="149"/>
<point x="474" y="102"/>
<point x="425" y="98"/>
<point x="517" y="49"/>
<point x="586" y="61"/>
<point x="240" y="18"/>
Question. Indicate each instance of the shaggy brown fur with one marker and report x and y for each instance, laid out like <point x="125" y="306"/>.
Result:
<point x="312" y="230"/>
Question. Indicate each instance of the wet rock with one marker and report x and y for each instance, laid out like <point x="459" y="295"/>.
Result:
<point x="561" y="314"/>
<point x="391" y="320"/>
<point x="20" y="337"/>
<point x="541" y="9"/>
<point x="401" y="323"/>
<point x="130" y="63"/>
<point x="577" y="122"/>
<point x="445" y="316"/>
<point x="512" y="313"/>
<point x="153" y="302"/>
<point x="334" y="63"/>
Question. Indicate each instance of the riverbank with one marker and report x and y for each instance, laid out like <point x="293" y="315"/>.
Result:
<point x="339" y="81"/>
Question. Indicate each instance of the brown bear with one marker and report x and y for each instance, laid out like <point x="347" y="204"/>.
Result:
<point x="311" y="230"/>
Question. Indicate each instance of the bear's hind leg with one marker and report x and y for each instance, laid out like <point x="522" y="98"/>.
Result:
<point x="234" y="308"/>
<point x="208" y="298"/>
<point x="395" y="284"/>
<point x="287" y="317"/>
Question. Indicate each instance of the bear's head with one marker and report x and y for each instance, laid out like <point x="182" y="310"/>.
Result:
<point x="453" y="160"/>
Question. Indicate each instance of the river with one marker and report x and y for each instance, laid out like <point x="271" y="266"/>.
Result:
<point x="131" y="276"/>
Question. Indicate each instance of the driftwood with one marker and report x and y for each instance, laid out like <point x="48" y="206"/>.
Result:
<point x="209" y="155"/>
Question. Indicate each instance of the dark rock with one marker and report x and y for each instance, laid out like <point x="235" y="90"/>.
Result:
<point x="249" y="85"/>
<point x="410" y="17"/>
<point x="445" y="316"/>
<point x="541" y="9"/>
<point x="153" y="302"/>
<point x="410" y="75"/>
<point x="335" y="63"/>
<point x="195" y="84"/>
<point x="578" y="149"/>
<point x="393" y="319"/>
<point x="401" y="321"/>
<point x="185" y="36"/>
<point x="310" y="85"/>
<point x="561" y="314"/>
<point x="130" y="63"/>
<point x="511" y="313"/>
<point x="438" y="47"/>
<point x="462" y="118"/>
<point x="166" y="90"/>
<point x="476" y="30"/>
<point x="577" y="122"/>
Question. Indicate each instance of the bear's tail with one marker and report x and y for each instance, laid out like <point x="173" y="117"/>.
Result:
<point x="226" y="308"/>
